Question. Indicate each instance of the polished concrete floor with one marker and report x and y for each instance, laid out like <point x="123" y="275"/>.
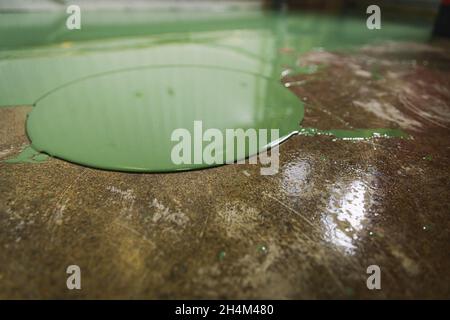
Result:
<point x="310" y="231"/>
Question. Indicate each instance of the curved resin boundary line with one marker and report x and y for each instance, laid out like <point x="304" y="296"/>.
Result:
<point x="268" y="147"/>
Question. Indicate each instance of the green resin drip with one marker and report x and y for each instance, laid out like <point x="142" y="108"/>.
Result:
<point x="28" y="155"/>
<point x="355" y="134"/>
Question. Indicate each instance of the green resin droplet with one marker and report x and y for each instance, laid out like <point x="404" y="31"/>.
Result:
<point x="28" y="155"/>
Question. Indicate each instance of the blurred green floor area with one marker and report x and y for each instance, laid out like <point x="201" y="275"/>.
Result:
<point x="38" y="53"/>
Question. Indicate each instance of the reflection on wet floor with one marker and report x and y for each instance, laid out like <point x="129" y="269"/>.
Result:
<point x="345" y="214"/>
<point x="294" y="177"/>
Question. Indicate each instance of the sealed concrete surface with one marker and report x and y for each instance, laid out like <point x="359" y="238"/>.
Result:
<point x="334" y="208"/>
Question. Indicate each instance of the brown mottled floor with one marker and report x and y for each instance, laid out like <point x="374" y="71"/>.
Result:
<point x="310" y="231"/>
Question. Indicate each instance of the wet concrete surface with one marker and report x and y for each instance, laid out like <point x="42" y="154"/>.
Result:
<point x="310" y="231"/>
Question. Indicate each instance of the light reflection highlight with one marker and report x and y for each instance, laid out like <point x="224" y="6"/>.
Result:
<point x="346" y="214"/>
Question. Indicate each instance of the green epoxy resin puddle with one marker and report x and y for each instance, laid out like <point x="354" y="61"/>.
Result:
<point x="111" y="95"/>
<point x="124" y="120"/>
